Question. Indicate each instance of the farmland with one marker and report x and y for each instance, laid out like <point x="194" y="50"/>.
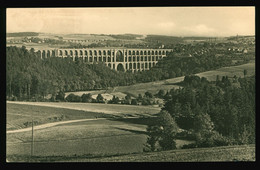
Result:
<point x="120" y="135"/>
<point x="168" y="84"/>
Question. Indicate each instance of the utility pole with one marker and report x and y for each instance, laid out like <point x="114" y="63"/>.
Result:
<point x="32" y="140"/>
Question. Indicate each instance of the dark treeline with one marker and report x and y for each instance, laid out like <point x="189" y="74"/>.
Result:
<point x="209" y="113"/>
<point x="216" y="114"/>
<point x="30" y="77"/>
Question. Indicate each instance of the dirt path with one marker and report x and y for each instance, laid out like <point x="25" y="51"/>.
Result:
<point x="47" y="125"/>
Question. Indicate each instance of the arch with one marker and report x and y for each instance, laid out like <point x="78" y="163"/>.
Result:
<point x="138" y="58"/>
<point x="104" y="59"/>
<point x="43" y="54"/>
<point x="48" y="53"/>
<point x="66" y="53"/>
<point x="80" y="52"/>
<point x="90" y="53"/>
<point x="99" y="52"/>
<point x="133" y="58"/>
<point x="152" y="58"/>
<point x="129" y="52"/>
<point x="130" y="65"/>
<point x="86" y="52"/>
<point x="130" y="59"/>
<point x="160" y="53"/>
<point x="95" y="52"/>
<point x="95" y="58"/>
<point x="148" y="52"/>
<point x="86" y="59"/>
<point x="109" y="65"/>
<point x="156" y="52"/>
<point x="76" y="53"/>
<point x="156" y="58"/>
<point x="109" y="59"/>
<point x="149" y="58"/>
<point x="134" y="66"/>
<point x="141" y="53"/>
<point x="150" y="65"/>
<point x="120" y="67"/>
<point x="71" y="52"/>
<point x="109" y="52"/>
<point x="60" y="52"/>
<point x="53" y="53"/>
<point x="104" y="52"/>
<point x="119" y="56"/>
<point x="142" y="58"/>
<point x="152" y="52"/>
<point x="144" y="52"/>
<point x="133" y="52"/>
<point x="163" y="52"/>
<point x="137" y="52"/>
<point x="145" y="58"/>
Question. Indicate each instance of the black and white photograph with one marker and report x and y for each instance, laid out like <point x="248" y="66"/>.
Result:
<point x="130" y="84"/>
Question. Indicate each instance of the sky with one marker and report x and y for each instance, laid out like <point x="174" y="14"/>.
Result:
<point x="173" y="21"/>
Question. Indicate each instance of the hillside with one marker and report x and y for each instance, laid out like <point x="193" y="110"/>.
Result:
<point x="216" y="154"/>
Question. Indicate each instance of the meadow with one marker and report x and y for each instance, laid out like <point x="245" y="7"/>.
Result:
<point x="168" y="84"/>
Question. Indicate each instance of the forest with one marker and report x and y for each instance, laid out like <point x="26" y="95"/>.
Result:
<point x="210" y="113"/>
<point x="30" y="78"/>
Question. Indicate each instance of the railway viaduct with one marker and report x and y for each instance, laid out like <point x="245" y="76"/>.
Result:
<point x="120" y="59"/>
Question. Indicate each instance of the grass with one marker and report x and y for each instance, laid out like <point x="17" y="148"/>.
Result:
<point x="20" y="114"/>
<point x="168" y="84"/>
<point x="215" y="154"/>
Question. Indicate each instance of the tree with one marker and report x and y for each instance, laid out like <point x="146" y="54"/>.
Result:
<point x="100" y="98"/>
<point x="163" y="132"/>
<point x="245" y="72"/>
<point x="86" y="98"/>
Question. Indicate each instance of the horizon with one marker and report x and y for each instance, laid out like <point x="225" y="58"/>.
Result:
<point x="130" y="34"/>
<point x="168" y="21"/>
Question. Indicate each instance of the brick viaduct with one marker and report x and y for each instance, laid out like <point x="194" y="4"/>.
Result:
<point x="115" y="58"/>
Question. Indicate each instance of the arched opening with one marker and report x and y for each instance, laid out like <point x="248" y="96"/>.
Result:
<point x="133" y="53"/>
<point x="76" y="53"/>
<point x="137" y="52"/>
<point x="152" y="52"/>
<point x="71" y="52"/>
<point x="104" y="52"/>
<point x="66" y="52"/>
<point x="43" y="54"/>
<point x="48" y="53"/>
<point x="163" y="53"/>
<point x="160" y="53"/>
<point x="119" y="56"/>
<point x="99" y="52"/>
<point x="156" y="52"/>
<point x="53" y="53"/>
<point x="130" y="65"/>
<point x="144" y="52"/>
<point x="120" y="67"/>
<point x="95" y="52"/>
<point x="80" y="52"/>
<point x="129" y="52"/>
<point x="86" y="52"/>
<point x="141" y="53"/>
<point x="61" y="53"/>
<point x="90" y="53"/>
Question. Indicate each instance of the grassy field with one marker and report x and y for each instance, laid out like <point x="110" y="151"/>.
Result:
<point x="216" y="154"/>
<point x="19" y="113"/>
<point x="168" y="84"/>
